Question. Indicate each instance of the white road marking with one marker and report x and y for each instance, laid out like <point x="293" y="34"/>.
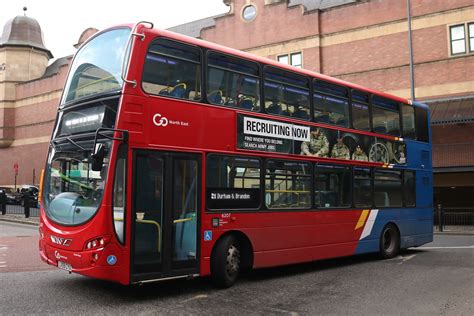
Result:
<point x="405" y="259"/>
<point x="197" y="297"/>
<point x="448" y="247"/>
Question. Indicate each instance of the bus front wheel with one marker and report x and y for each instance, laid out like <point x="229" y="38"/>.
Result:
<point x="389" y="242"/>
<point x="225" y="262"/>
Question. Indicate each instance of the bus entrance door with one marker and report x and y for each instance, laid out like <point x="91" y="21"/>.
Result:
<point x="165" y="215"/>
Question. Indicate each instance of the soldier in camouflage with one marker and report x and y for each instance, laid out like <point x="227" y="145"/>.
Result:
<point x="317" y="146"/>
<point x="359" y="155"/>
<point x="340" y="150"/>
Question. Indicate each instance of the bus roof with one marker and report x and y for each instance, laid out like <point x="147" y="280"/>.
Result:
<point x="264" y="60"/>
<point x="267" y="61"/>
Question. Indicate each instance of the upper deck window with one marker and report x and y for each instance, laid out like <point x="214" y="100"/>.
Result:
<point x="422" y="129"/>
<point x="97" y="66"/>
<point x="408" y="117"/>
<point x="173" y="69"/>
<point x="233" y="82"/>
<point x="385" y="116"/>
<point x="360" y="110"/>
<point x="330" y="102"/>
<point x="286" y="93"/>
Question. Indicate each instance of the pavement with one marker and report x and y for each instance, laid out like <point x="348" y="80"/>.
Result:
<point x="17" y="218"/>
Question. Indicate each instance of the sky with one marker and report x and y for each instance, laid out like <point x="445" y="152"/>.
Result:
<point x="63" y="21"/>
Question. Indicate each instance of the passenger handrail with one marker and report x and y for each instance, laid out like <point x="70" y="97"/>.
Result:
<point x="126" y="61"/>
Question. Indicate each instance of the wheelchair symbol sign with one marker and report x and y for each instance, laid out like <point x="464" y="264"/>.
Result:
<point x="207" y="235"/>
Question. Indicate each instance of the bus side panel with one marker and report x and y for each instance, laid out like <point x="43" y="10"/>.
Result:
<point x="415" y="226"/>
<point x="305" y="236"/>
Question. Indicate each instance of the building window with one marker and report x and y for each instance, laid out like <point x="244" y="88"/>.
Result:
<point x="284" y="59"/>
<point x="471" y="37"/>
<point x="293" y="59"/>
<point x="458" y="39"/>
<point x="296" y="60"/>
<point x="249" y="13"/>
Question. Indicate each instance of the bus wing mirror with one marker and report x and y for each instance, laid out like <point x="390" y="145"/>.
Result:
<point x="97" y="157"/>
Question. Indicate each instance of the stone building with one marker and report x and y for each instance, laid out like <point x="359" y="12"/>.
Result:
<point x="361" y="41"/>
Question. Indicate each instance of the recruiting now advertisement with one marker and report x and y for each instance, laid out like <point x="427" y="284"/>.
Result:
<point x="269" y="135"/>
<point x="275" y="136"/>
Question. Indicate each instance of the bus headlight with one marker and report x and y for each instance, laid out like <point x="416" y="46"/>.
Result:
<point x="95" y="243"/>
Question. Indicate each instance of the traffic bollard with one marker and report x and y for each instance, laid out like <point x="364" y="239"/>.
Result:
<point x="440" y="217"/>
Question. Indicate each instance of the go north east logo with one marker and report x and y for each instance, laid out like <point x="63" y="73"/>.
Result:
<point x="159" y="120"/>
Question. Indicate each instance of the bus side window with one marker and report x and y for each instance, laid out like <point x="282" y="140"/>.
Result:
<point x="330" y="103"/>
<point x="173" y="69"/>
<point x="408" y="118"/>
<point x="360" y="110"/>
<point x="332" y="186"/>
<point x="232" y="81"/>
<point x="232" y="182"/>
<point x="388" y="188"/>
<point x="119" y="193"/>
<point x="362" y="193"/>
<point x="422" y="129"/>
<point x="409" y="188"/>
<point x="385" y="116"/>
<point x="286" y="93"/>
<point x="287" y="185"/>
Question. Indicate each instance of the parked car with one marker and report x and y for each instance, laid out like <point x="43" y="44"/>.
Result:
<point x="33" y="191"/>
<point x="12" y="196"/>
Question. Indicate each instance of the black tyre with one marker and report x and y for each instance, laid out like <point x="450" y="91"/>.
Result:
<point x="389" y="242"/>
<point x="225" y="262"/>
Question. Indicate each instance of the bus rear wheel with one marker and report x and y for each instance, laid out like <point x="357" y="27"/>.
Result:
<point x="225" y="262"/>
<point x="389" y="242"/>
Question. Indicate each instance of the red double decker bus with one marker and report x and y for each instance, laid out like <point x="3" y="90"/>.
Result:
<point x="173" y="157"/>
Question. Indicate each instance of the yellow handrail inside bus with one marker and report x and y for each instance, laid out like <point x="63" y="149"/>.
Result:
<point x="183" y="220"/>
<point x="158" y="227"/>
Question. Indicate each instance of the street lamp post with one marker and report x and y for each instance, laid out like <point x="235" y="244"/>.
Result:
<point x="410" y="49"/>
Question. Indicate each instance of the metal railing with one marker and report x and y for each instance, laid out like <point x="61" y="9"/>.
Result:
<point x="27" y="207"/>
<point x="453" y="219"/>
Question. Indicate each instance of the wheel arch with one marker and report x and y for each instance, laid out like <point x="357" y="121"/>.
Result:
<point x="245" y="245"/>
<point x="393" y="223"/>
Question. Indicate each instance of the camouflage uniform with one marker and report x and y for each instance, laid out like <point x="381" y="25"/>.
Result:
<point x="359" y="155"/>
<point x="318" y="146"/>
<point x="340" y="151"/>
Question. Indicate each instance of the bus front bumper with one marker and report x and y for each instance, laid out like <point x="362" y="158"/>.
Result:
<point x="105" y="263"/>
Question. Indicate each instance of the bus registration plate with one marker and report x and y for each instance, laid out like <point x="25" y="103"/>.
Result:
<point x="64" y="266"/>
